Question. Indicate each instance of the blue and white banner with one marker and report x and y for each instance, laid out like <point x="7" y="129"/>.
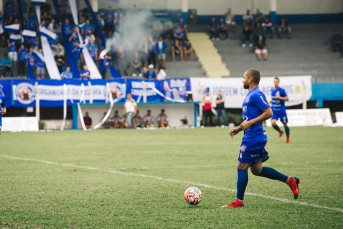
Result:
<point x="144" y="88"/>
<point x="38" y="2"/>
<point x="47" y="33"/>
<point x="29" y="33"/>
<point x="176" y="89"/>
<point x="51" y="93"/>
<point x="12" y="28"/>
<point x="298" y="89"/>
<point x="15" y="37"/>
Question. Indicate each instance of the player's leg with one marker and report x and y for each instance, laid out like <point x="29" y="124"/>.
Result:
<point x="284" y="120"/>
<point x="274" y="125"/>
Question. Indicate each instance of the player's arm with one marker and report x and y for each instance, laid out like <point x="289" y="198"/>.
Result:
<point x="267" y="114"/>
<point x="3" y="110"/>
<point x="283" y="98"/>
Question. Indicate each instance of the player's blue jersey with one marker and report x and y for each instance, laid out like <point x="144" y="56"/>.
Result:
<point x="2" y="105"/>
<point x="277" y="104"/>
<point x="253" y="106"/>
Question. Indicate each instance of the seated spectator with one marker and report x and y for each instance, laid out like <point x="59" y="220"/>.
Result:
<point x="87" y="120"/>
<point x="268" y="27"/>
<point x="261" y="48"/>
<point x="258" y="32"/>
<point x="7" y="65"/>
<point x="188" y="50"/>
<point x="85" y="74"/>
<point x="40" y="65"/>
<point x="137" y="120"/>
<point x="168" y="30"/>
<point x="179" y="34"/>
<point x="162" y="119"/>
<point x="247" y="34"/>
<point x="60" y="62"/>
<point x="213" y="30"/>
<point x="145" y="73"/>
<point x="247" y="19"/>
<point x="161" y="48"/>
<point x="258" y="17"/>
<point x="151" y="74"/>
<point x="223" y="28"/>
<point x="136" y="66"/>
<point x="67" y="74"/>
<point x="107" y="123"/>
<point x="284" y="28"/>
<point x="177" y="49"/>
<point x="116" y="120"/>
<point x="93" y="50"/>
<point x="336" y="41"/>
<point x="21" y="61"/>
<point x="230" y="19"/>
<point x="148" y="119"/>
<point x="183" y="26"/>
<point x="157" y="28"/>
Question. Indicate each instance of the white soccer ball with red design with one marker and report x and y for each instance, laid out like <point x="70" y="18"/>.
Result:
<point x="192" y="195"/>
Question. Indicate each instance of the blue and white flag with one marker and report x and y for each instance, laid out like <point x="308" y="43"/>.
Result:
<point x="38" y="2"/>
<point x="47" y="33"/>
<point x="14" y="28"/>
<point x="39" y="55"/>
<point x="29" y="34"/>
<point x="15" y="37"/>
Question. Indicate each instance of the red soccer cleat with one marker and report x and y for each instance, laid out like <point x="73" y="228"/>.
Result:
<point x="234" y="204"/>
<point x="281" y="133"/>
<point x="287" y="140"/>
<point x="293" y="183"/>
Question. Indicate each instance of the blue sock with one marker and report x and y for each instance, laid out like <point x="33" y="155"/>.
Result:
<point x="276" y="127"/>
<point x="287" y="131"/>
<point x="242" y="182"/>
<point x="272" y="174"/>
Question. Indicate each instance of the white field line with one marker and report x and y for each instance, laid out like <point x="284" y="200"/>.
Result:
<point x="177" y="181"/>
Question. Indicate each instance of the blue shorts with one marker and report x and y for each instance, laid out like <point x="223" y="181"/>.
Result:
<point x="251" y="153"/>
<point x="280" y="115"/>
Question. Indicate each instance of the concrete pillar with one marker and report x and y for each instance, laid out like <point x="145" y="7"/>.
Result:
<point x="94" y="4"/>
<point x="185" y="11"/>
<point x="2" y="6"/>
<point x="272" y="12"/>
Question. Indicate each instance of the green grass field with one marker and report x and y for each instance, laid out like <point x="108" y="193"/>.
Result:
<point x="136" y="179"/>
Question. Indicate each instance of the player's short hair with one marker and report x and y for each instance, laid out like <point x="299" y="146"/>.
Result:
<point x="277" y="78"/>
<point x="255" y="75"/>
<point x="149" y="110"/>
<point x="162" y="110"/>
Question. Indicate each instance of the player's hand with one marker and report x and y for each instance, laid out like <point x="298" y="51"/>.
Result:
<point x="234" y="131"/>
<point x="245" y="125"/>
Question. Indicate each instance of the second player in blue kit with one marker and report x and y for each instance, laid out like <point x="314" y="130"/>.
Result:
<point x="252" y="152"/>
<point x="2" y="108"/>
<point x="279" y="96"/>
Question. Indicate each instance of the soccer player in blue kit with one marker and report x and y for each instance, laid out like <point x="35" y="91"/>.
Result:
<point x="252" y="153"/>
<point x="2" y="109"/>
<point x="279" y="97"/>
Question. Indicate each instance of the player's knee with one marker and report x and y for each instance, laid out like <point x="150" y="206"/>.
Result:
<point x="273" y="122"/>
<point x="255" y="171"/>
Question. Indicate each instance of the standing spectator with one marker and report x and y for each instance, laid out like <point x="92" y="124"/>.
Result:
<point x="220" y="109"/>
<point x="157" y="28"/>
<point x="67" y="28"/>
<point x="137" y="120"/>
<point x="87" y="120"/>
<point x="60" y="62"/>
<point x="109" y="20"/>
<point x="188" y="50"/>
<point x="103" y="63"/>
<point x="136" y="66"/>
<point x="85" y="73"/>
<point x="101" y="21"/>
<point x="207" y="100"/>
<point x="77" y="54"/>
<point x="32" y="22"/>
<point x="58" y="49"/>
<point x="143" y="50"/>
<point x="258" y="17"/>
<point x="2" y="21"/>
<point x="213" y="29"/>
<point x="161" y="48"/>
<point x="230" y="19"/>
<point x="148" y="119"/>
<point x="67" y="74"/>
<point x="223" y="28"/>
<point x="122" y="63"/>
<point x="168" y="30"/>
<point x="284" y="28"/>
<point x="176" y="48"/>
<point x="93" y="50"/>
<point x="261" y="48"/>
<point x="130" y="110"/>
<point x="21" y="60"/>
<point x="247" y="34"/>
<point x="268" y="27"/>
<point x="162" y="119"/>
<point x="90" y="36"/>
<point x="336" y="41"/>
<point x="7" y="65"/>
<point x="151" y="51"/>
<point x="87" y="27"/>
<point x="40" y="71"/>
<point x="151" y="74"/>
<point x="31" y="61"/>
<point x="118" y="17"/>
<point x="12" y="53"/>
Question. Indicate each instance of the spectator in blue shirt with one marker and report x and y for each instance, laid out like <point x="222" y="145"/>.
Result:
<point x="67" y="74"/>
<point x="109" y="20"/>
<point x="32" y="22"/>
<point x="223" y="28"/>
<point x="67" y="28"/>
<point x="73" y="38"/>
<point x="93" y="50"/>
<point x="40" y="70"/>
<point x="7" y="65"/>
<point x="21" y="60"/>
<point x="31" y="61"/>
<point x="87" y="27"/>
<point x="151" y="74"/>
<point x="77" y="53"/>
<point x="85" y="74"/>
<point x="179" y="34"/>
<point x="12" y="52"/>
<point x="103" y="63"/>
<point x="213" y="30"/>
<point x="161" y="48"/>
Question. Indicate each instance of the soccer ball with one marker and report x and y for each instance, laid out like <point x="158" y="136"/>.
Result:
<point x="192" y="196"/>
